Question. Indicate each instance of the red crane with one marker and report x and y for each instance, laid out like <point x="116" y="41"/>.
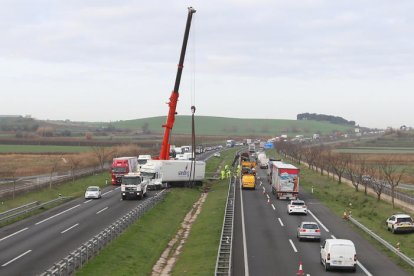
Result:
<point x="165" y="147"/>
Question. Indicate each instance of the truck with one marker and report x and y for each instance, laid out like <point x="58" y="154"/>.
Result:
<point x="230" y="143"/>
<point x="133" y="185"/>
<point x="142" y="159"/>
<point x="121" y="166"/>
<point x="252" y="147"/>
<point x="262" y="160"/>
<point x="284" y="180"/>
<point x="166" y="173"/>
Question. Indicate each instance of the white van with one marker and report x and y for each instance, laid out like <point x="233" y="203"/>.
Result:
<point x="338" y="253"/>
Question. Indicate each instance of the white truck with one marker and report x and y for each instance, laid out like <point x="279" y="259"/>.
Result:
<point x="142" y="159"/>
<point x="285" y="180"/>
<point x="133" y="185"/>
<point x="165" y="173"/>
<point x="262" y="160"/>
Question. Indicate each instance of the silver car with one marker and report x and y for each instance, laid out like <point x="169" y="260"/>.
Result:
<point x="309" y="230"/>
<point x="93" y="192"/>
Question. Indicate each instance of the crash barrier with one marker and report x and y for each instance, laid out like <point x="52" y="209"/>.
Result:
<point x="80" y="256"/>
<point x="24" y="209"/>
<point x="223" y="263"/>
<point x="382" y="241"/>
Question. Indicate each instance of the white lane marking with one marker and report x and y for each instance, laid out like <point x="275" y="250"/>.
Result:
<point x="293" y="246"/>
<point x="15" y="233"/>
<point x="73" y="226"/>
<point x="88" y="201"/>
<point x="273" y="206"/>
<point x="320" y="223"/>
<point x="246" y="264"/>
<point x="280" y="221"/>
<point x="364" y="269"/>
<point x="333" y="237"/>
<point x="18" y="257"/>
<point x="117" y="188"/>
<point x="268" y="197"/>
<point x="67" y="210"/>
<point x="100" y="211"/>
<point x="108" y="192"/>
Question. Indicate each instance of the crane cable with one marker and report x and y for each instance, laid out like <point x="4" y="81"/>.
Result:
<point x="193" y="108"/>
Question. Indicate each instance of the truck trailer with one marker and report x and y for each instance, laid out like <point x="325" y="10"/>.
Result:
<point x="285" y="180"/>
<point x="166" y="173"/>
<point x="121" y="166"/>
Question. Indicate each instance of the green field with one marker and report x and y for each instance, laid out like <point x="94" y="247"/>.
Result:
<point x="42" y="149"/>
<point x="206" y="125"/>
<point x="378" y="150"/>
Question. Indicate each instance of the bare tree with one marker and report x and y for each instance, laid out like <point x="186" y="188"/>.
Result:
<point x="339" y="163"/>
<point x="392" y="174"/>
<point x="102" y="153"/>
<point x="350" y="170"/>
<point x="377" y="181"/>
<point x="74" y="164"/>
<point x="361" y="171"/>
<point x="53" y="169"/>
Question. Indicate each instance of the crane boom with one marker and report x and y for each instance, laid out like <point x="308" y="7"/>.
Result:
<point x="165" y="147"/>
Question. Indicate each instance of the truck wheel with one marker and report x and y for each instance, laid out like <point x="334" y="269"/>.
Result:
<point x="140" y="196"/>
<point x="123" y="197"/>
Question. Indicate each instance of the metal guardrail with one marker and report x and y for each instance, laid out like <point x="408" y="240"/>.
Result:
<point x="28" y="205"/>
<point x="77" y="258"/>
<point x="407" y="259"/>
<point x="30" y="209"/>
<point x="223" y="263"/>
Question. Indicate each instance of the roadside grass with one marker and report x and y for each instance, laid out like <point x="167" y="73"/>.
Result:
<point x="139" y="247"/>
<point x="200" y="251"/>
<point x="68" y="189"/>
<point x="365" y="209"/>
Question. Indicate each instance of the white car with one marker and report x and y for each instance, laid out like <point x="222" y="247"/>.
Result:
<point x="400" y="223"/>
<point x="297" y="206"/>
<point x="217" y="154"/>
<point x="93" y="192"/>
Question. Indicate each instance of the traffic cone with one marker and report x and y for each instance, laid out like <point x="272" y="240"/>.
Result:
<point x="300" y="271"/>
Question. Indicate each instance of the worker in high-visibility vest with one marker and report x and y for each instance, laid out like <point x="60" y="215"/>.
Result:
<point x="226" y="168"/>
<point x="223" y="174"/>
<point x="228" y="174"/>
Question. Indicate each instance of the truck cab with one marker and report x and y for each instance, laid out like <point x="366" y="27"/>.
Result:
<point x="133" y="185"/>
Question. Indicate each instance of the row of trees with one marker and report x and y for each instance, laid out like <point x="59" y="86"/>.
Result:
<point x="385" y="172"/>
<point x="326" y="118"/>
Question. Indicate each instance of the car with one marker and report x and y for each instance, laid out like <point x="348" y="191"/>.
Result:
<point x="338" y="253"/>
<point x="93" y="192"/>
<point x="297" y="206"/>
<point x="309" y="230"/>
<point x="400" y="223"/>
<point x="216" y="154"/>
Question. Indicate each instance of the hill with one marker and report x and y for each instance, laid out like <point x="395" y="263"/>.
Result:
<point x="221" y="126"/>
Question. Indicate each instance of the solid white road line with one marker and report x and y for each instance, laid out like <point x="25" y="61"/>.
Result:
<point x="293" y="246"/>
<point x="364" y="269"/>
<point x="273" y="206"/>
<point x="88" y="201"/>
<point x="67" y="210"/>
<point x="320" y="223"/>
<point x="246" y="264"/>
<point x="280" y="221"/>
<point x="21" y="255"/>
<point x="333" y="237"/>
<point x="100" y="211"/>
<point x="15" y="233"/>
<point x="73" y="226"/>
<point x="108" y="192"/>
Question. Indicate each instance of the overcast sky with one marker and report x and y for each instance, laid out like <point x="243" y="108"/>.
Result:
<point x="112" y="60"/>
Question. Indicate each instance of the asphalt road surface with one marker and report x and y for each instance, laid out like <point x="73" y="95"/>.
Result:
<point x="265" y="241"/>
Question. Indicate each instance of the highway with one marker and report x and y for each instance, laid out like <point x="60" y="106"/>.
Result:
<point x="31" y="246"/>
<point x="266" y="243"/>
